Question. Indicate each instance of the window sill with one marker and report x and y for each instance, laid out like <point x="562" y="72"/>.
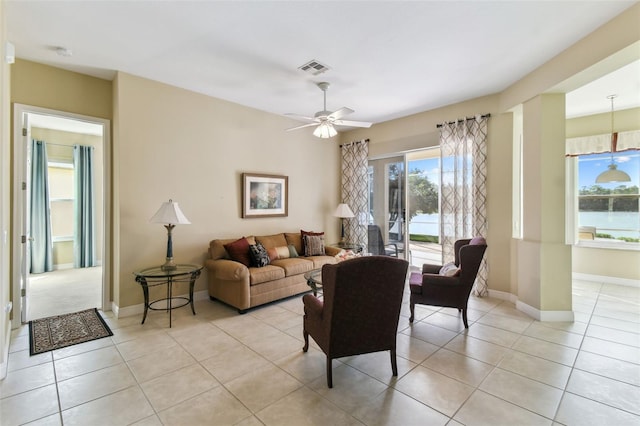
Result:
<point x="608" y="245"/>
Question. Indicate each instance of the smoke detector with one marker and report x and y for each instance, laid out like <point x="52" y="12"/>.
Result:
<point x="64" y="51"/>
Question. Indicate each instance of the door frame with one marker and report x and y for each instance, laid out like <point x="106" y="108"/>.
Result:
<point x="19" y="163"/>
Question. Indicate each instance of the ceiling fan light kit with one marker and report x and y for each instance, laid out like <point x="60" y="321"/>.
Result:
<point x="325" y="121"/>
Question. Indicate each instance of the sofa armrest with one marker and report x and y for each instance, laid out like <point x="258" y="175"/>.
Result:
<point x="225" y="269"/>
<point x="331" y="250"/>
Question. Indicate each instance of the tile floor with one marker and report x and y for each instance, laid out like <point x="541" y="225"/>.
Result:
<point x="219" y="367"/>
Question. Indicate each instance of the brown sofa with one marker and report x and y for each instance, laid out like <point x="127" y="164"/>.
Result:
<point x="246" y="287"/>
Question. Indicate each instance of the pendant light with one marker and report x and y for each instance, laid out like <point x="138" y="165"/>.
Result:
<point x="612" y="174"/>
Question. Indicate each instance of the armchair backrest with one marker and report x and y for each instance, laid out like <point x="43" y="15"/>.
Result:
<point x="362" y="300"/>
<point x="470" y="258"/>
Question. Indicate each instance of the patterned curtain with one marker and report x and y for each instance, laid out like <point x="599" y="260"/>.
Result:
<point x="355" y="184"/>
<point x="463" y="146"/>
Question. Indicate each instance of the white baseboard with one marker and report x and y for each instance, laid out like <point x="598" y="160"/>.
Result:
<point x="606" y="280"/>
<point x="552" y="316"/>
<point x="139" y="308"/>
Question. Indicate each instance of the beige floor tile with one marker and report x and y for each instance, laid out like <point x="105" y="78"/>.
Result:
<point x="445" y="321"/>
<point x="394" y="408"/>
<point x="612" y="335"/>
<point x="203" y="347"/>
<point x="509" y="323"/>
<point x="547" y="350"/>
<point x="552" y="335"/>
<point x="430" y="333"/>
<point x="581" y="316"/>
<point x="533" y="367"/>
<point x="148" y="421"/>
<point x="572" y="327"/>
<point x="439" y="392"/>
<point x="605" y="390"/>
<point x="27" y="379"/>
<point x="631" y="327"/>
<point x="477" y="349"/>
<point x="121" y="408"/>
<point x="133" y="332"/>
<point x="473" y="315"/>
<point x="245" y="327"/>
<point x="484" y="304"/>
<point x="275" y="346"/>
<point x="29" y="405"/>
<point x="19" y="343"/>
<point x="351" y="387"/>
<point x="80" y="389"/>
<point x="378" y="366"/>
<point x="233" y="363"/>
<point x="459" y="367"/>
<point x="612" y="311"/>
<point x="87" y="362"/>
<point x="484" y="409"/>
<point x="492" y="334"/>
<point x="304" y="407"/>
<point x="612" y="368"/>
<point x="82" y="348"/>
<point x="157" y="342"/>
<point x="611" y="349"/>
<point x="534" y="396"/>
<point x="22" y="359"/>
<point x="258" y="389"/>
<point x="415" y="350"/>
<point x="508" y="309"/>
<point x="306" y="367"/>
<point x="156" y="364"/>
<point x="578" y="411"/>
<point x="213" y="407"/>
<point x="172" y="388"/>
<point x="52" y="420"/>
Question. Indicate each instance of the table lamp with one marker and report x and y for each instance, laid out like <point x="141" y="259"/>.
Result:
<point x="170" y="215"/>
<point x="343" y="211"/>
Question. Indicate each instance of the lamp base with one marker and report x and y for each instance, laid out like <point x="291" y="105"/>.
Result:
<point x="169" y="265"/>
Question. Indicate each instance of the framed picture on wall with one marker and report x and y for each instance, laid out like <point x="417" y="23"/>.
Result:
<point x="264" y="195"/>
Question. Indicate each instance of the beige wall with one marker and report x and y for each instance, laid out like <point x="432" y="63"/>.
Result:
<point x="172" y="143"/>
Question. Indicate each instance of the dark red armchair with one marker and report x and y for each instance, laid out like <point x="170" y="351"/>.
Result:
<point x="432" y="288"/>
<point x="360" y="310"/>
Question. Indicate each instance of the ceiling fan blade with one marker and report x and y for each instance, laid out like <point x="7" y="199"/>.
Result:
<point x="336" y="115"/>
<point x="301" y="117"/>
<point x="302" y="126"/>
<point x="352" y="123"/>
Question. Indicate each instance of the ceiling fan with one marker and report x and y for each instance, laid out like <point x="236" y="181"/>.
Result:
<point x="326" y="120"/>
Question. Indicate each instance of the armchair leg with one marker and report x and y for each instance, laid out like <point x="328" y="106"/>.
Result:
<point x="305" y="334"/>
<point x="329" y="374"/>
<point x="412" y="306"/>
<point x="394" y="362"/>
<point x="464" y="317"/>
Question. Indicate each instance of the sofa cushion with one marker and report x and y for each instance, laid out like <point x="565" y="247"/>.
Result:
<point x="259" y="255"/>
<point x="294" y="266"/>
<point x="313" y="245"/>
<point x="318" y="261"/>
<point x="264" y="274"/>
<point x="239" y="251"/>
<point x="270" y="241"/>
<point x="295" y="239"/>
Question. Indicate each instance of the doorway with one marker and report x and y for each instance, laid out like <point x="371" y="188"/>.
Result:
<point x="60" y="164"/>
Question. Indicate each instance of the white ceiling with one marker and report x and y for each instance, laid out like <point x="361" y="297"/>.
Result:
<point x="387" y="59"/>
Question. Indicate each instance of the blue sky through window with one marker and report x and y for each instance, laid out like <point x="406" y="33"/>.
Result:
<point x="590" y="166"/>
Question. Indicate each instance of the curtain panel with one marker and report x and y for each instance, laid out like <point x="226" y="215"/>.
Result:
<point x="39" y="210"/>
<point x="463" y="176"/>
<point x="355" y="184"/>
<point x="84" y="243"/>
<point x="597" y="144"/>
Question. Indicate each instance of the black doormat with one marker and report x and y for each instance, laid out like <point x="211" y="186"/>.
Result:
<point x="47" y="334"/>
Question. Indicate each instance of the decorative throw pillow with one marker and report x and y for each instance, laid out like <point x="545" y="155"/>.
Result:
<point x="239" y="251"/>
<point x="478" y="241"/>
<point x="259" y="255"/>
<point x="313" y="245"/>
<point x="449" y="270"/>
<point x="273" y="254"/>
<point x="283" y="252"/>
<point x="292" y="250"/>
<point x="303" y="233"/>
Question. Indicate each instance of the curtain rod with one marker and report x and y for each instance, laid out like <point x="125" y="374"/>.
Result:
<point x="55" y="144"/>
<point x="465" y="119"/>
<point x="355" y="142"/>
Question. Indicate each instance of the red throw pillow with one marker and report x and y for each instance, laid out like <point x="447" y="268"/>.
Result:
<point x="239" y="251"/>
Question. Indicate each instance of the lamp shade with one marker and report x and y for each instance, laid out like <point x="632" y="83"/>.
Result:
<point x="613" y="175"/>
<point x="343" y="211"/>
<point x="170" y="213"/>
<point x="325" y="130"/>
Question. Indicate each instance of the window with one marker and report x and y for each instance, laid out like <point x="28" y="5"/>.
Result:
<point x="608" y="214"/>
<point x="61" y="199"/>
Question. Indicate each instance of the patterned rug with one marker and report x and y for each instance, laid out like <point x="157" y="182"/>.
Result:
<point x="47" y="334"/>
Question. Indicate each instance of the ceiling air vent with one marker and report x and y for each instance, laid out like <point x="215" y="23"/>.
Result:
<point x="314" y="67"/>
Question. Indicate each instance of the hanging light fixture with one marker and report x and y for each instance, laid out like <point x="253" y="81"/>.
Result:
<point x="612" y="174"/>
<point x="325" y="130"/>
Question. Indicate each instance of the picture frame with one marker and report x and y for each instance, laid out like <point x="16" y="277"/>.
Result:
<point x="264" y="195"/>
